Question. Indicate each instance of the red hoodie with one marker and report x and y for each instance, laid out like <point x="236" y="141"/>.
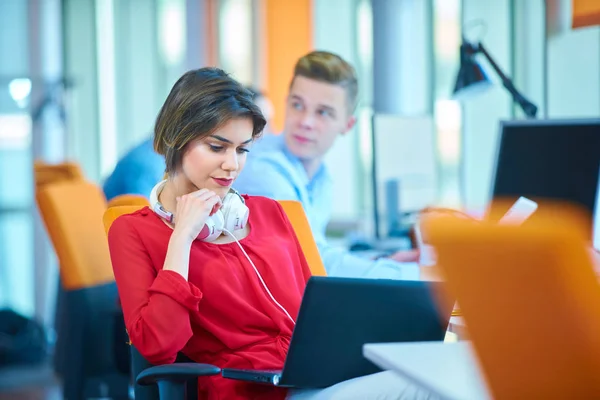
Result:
<point x="222" y="315"/>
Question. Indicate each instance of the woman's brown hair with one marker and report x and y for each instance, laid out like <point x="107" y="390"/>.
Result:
<point x="199" y="103"/>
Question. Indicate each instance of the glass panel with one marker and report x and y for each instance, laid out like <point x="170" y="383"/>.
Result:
<point x="364" y="112"/>
<point x="171" y="31"/>
<point x="16" y="261"/>
<point x="16" y="180"/>
<point x="235" y="39"/>
<point x="447" y="112"/>
<point x="365" y="51"/>
<point x="16" y="225"/>
<point x="16" y="186"/>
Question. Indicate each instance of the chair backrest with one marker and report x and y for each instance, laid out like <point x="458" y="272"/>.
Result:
<point x="128" y="200"/>
<point x="294" y="212"/>
<point x="112" y="213"/>
<point x="297" y="216"/>
<point x="72" y="213"/>
<point x="45" y="173"/>
<point x="531" y="303"/>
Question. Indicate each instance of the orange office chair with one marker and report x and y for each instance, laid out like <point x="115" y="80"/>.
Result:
<point x="72" y="213"/>
<point x="531" y="302"/>
<point x="45" y="173"/>
<point x="112" y="213"/>
<point x="295" y="213"/>
<point x="164" y="375"/>
<point x="128" y="200"/>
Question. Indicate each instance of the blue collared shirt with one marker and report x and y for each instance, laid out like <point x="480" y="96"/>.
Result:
<point x="272" y="171"/>
<point x="136" y="173"/>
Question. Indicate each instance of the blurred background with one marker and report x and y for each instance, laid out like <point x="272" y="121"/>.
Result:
<point x="83" y="80"/>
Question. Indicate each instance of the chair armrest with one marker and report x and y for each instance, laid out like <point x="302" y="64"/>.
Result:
<point x="177" y="372"/>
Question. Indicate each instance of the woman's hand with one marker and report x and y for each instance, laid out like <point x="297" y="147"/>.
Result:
<point x="405" y="256"/>
<point x="193" y="209"/>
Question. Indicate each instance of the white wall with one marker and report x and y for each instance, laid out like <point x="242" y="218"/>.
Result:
<point x="570" y="89"/>
<point x="573" y="64"/>
<point x="574" y="73"/>
<point x="572" y="84"/>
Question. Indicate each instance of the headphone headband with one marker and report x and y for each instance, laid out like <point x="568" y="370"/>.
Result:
<point x="156" y="206"/>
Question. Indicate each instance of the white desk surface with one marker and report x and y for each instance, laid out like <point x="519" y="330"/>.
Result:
<point x="448" y="370"/>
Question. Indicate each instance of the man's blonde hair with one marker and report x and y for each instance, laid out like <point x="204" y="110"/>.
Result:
<point x="328" y="67"/>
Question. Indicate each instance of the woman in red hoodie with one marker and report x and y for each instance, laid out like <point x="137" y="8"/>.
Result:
<point x="225" y="297"/>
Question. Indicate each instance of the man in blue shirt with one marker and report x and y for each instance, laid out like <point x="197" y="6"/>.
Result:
<point x="137" y="172"/>
<point x="320" y="105"/>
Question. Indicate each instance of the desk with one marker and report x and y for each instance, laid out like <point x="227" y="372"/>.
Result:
<point x="450" y="370"/>
<point x="457" y="324"/>
<point x="372" y="247"/>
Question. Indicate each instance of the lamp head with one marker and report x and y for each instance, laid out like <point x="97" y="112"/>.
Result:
<point x="472" y="78"/>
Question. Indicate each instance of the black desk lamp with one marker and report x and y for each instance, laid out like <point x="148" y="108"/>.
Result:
<point x="472" y="79"/>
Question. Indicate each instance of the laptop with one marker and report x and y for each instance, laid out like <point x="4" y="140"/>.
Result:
<point x="549" y="162"/>
<point x="339" y="315"/>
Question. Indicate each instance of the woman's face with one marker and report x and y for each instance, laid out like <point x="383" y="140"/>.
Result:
<point x="215" y="161"/>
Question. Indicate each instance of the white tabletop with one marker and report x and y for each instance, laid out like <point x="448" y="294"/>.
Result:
<point x="449" y="370"/>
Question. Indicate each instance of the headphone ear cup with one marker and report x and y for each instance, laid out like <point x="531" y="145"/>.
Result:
<point x="235" y="212"/>
<point x="213" y="227"/>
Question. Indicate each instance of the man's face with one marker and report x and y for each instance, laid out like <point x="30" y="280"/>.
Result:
<point x="316" y="113"/>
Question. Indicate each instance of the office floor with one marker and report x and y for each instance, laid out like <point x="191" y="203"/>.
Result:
<point x="29" y="383"/>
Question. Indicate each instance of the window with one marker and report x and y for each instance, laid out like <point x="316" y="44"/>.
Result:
<point x="447" y="112"/>
<point x="235" y="35"/>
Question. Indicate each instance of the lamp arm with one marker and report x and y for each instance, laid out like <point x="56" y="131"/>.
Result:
<point x="527" y="106"/>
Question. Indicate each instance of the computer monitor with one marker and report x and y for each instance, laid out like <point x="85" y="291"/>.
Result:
<point x="555" y="160"/>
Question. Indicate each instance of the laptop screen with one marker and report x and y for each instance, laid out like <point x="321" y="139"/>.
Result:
<point x="555" y="160"/>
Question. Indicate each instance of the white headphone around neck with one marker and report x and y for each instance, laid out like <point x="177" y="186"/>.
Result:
<point x="232" y="216"/>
